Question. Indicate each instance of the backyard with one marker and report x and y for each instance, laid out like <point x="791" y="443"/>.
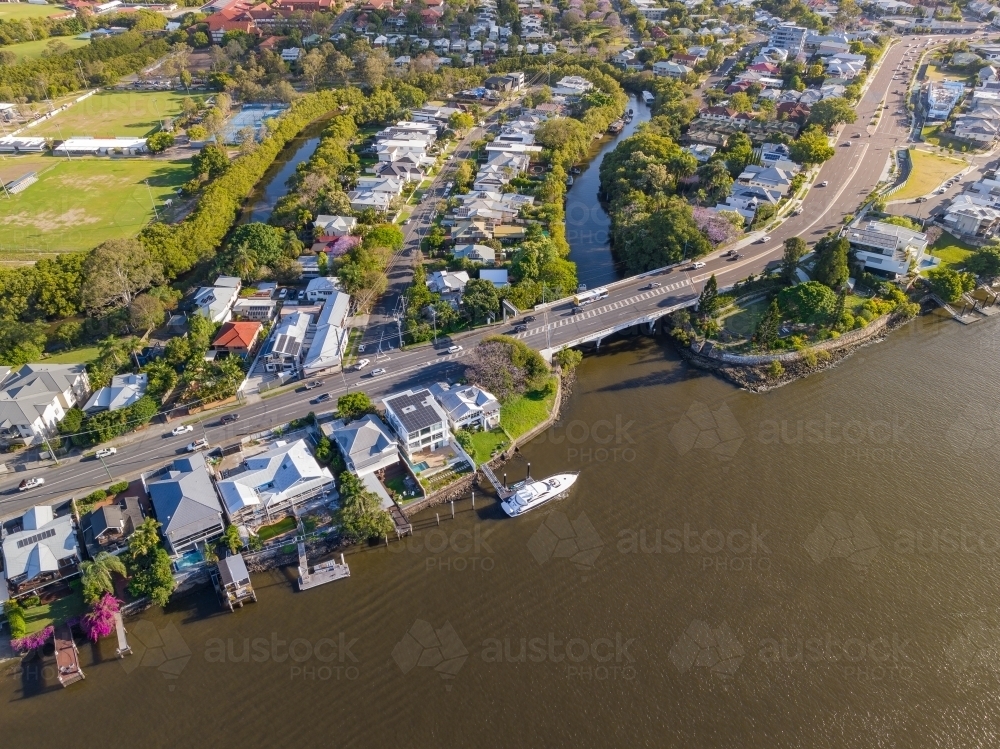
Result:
<point x="935" y="136"/>
<point x="952" y="252"/>
<point x="77" y="204"/>
<point x="266" y="532"/>
<point x="113" y="114"/>
<point x="929" y="171"/>
<point x="74" y="356"/>
<point x="523" y="412"/>
<point x="485" y="444"/>
<point x="34" y="49"/>
<point x="38" y="617"/>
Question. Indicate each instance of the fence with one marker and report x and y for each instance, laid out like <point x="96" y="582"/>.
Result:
<point x="904" y="165"/>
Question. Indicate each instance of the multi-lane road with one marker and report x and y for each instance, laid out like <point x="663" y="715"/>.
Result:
<point x="851" y="173"/>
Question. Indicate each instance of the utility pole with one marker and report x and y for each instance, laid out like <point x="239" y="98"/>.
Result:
<point x="48" y="445"/>
<point x="151" y="201"/>
<point x="110" y="477"/>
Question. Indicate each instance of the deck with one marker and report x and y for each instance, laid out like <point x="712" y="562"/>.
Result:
<point x="123" y="648"/>
<point x="326" y="572"/>
<point x="67" y="657"/>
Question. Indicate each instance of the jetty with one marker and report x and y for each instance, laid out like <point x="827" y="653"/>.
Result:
<point x="123" y="648"/>
<point x="502" y="491"/>
<point x="67" y="657"/>
<point x="325" y="572"/>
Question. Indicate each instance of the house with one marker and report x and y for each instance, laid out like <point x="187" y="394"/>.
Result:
<point x="285" y="347"/>
<point x="268" y="485"/>
<point x="447" y="282"/>
<point x="292" y="54"/>
<point x="845" y="66"/>
<point x="108" y="527"/>
<point x="496" y="277"/>
<point x="330" y="335"/>
<point x="977" y="127"/>
<point x="252" y="308"/>
<point x="216" y="302"/>
<point x="701" y="152"/>
<point x="418" y="421"/>
<point x="478" y="253"/>
<point x="124" y="390"/>
<point x="42" y="552"/>
<point x="768" y="178"/>
<point x="467" y="406"/>
<point x="790" y="37"/>
<point x="238" y="338"/>
<point x="671" y="69"/>
<point x="745" y="200"/>
<point x="717" y="114"/>
<point x="794" y="111"/>
<point x="361" y="200"/>
<point x="942" y="98"/>
<point x="973" y="217"/>
<point x="319" y="289"/>
<point x="35" y="400"/>
<point x="886" y="248"/>
<point x="185" y="504"/>
<point x="572" y="85"/>
<point x="232" y="580"/>
<point x="366" y="444"/>
<point x="334" y="226"/>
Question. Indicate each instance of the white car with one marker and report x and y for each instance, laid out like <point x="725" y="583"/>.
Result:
<point x="107" y="452"/>
<point x="454" y="349"/>
<point x="197" y="445"/>
<point x="764" y="239"/>
<point x="697" y="265"/>
<point x="182" y="429"/>
<point x="363" y="363"/>
<point x="378" y="372"/>
<point x="30" y="483"/>
<point x="824" y="183"/>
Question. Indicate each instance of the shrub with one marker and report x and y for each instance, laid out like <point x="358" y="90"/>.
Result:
<point x="809" y="357"/>
<point x="15" y="620"/>
<point x="775" y="370"/>
<point x="96" y="496"/>
<point x="118" y="487"/>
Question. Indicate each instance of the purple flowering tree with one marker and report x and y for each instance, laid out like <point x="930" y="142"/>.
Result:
<point x="100" y="621"/>
<point x="716" y="228"/>
<point x="33" y="641"/>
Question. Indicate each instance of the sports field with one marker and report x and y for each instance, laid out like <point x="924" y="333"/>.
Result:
<point x="113" y="113"/>
<point x="78" y="204"/>
<point x="32" y="50"/>
<point x="18" y="11"/>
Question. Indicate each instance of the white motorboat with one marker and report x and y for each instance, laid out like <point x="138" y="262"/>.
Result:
<point x="534" y="493"/>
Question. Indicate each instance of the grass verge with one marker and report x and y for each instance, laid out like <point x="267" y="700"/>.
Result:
<point x="521" y="414"/>
<point x="929" y="171"/>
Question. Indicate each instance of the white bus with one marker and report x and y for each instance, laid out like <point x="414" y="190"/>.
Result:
<point x="586" y="297"/>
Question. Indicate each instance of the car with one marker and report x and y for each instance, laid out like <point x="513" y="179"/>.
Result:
<point x="529" y="318"/>
<point x="766" y="238"/>
<point x="577" y="310"/>
<point x="282" y="294"/>
<point x="362" y="363"/>
<point x="824" y="183"/>
<point x="735" y="256"/>
<point x="856" y="135"/>
<point x="920" y="200"/>
<point x="520" y="328"/>
<point x="378" y="372"/>
<point x="361" y="349"/>
<point x="302" y="294"/>
<point x="650" y="286"/>
<point x="106" y="452"/>
<point x="229" y="418"/>
<point x="30" y="483"/>
<point x="197" y="445"/>
<point x="314" y="384"/>
<point x="321" y="398"/>
<point x="797" y="211"/>
<point x="182" y="429"/>
<point x="454" y="349"/>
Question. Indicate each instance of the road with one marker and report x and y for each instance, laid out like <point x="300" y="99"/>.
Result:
<point x="852" y="173"/>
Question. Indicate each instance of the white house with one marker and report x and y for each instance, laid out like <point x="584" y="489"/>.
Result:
<point x="334" y="226"/>
<point x="35" y="400"/>
<point x="292" y="54"/>
<point x="497" y="277"/>
<point x="216" y="302"/>
<point x="321" y="288"/>
<point x="269" y="484"/>
<point x="886" y="247"/>
<point x="125" y="389"/>
<point x="478" y="253"/>
<point x="447" y="282"/>
<point x="417" y="419"/>
<point x="366" y="444"/>
<point x="467" y="406"/>
<point x="670" y="69"/>
<point x="329" y="335"/>
<point x="44" y="551"/>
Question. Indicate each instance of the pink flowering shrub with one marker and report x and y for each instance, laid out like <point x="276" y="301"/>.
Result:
<point x="32" y="642"/>
<point x="100" y="622"/>
<point x="715" y="227"/>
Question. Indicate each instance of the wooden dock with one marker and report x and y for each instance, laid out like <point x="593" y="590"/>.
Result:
<point x="123" y="648"/>
<point x="326" y="572"/>
<point x="403" y="526"/>
<point x="67" y="657"/>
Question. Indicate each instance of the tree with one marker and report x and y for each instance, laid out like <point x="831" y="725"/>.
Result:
<point x="351" y="406"/>
<point x="740" y="102"/>
<point x="950" y="284"/>
<point x="708" y="302"/>
<point x="251" y="246"/>
<point x="96" y="575"/>
<point x="159" y="142"/>
<point x="831" y="261"/>
<point x="795" y="248"/>
<point x="149" y="564"/>
<point x="21" y="342"/>
<point x="116" y="272"/>
<point x="828" y="113"/>
<point x="809" y="302"/>
<point x="766" y="332"/>
<point x="985" y="262"/>
<point x="812" y="147"/>
<point x="738" y="154"/>
<point x="480" y="299"/>
<point x="361" y="515"/>
<point x="286" y="270"/>
<point x="715" y="180"/>
<point x="569" y="359"/>
<point x="231" y="538"/>
<point x="460" y="121"/>
<point x="145" y="312"/>
<point x="210" y="162"/>
<point x="506" y="367"/>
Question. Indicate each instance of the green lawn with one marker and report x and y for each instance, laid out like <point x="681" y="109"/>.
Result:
<point x="953" y="252"/>
<point x="78" y="204"/>
<point x="17" y="11"/>
<point x="485" y="443"/>
<point x="76" y="356"/>
<point x="520" y="414"/>
<point x="267" y="532"/>
<point x="935" y="137"/>
<point x="33" y="50"/>
<point x="114" y="113"/>
<point x="39" y="617"/>
<point x="929" y="171"/>
<point x="744" y="322"/>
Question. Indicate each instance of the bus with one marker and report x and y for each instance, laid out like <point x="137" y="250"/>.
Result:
<point x="586" y="297"/>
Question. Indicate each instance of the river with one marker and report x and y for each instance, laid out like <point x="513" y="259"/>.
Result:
<point x="588" y="226"/>
<point x="812" y="567"/>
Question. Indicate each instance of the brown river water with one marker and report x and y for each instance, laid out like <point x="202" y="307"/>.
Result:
<point x="812" y="567"/>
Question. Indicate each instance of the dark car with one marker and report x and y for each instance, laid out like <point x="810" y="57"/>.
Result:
<point x="520" y="328"/>
<point x="230" y="418"/>
<point x="577" y="310"/>
<point x="529" y="318"/>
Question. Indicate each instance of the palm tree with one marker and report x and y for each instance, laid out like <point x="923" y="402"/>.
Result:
<point x="244" y="262"/>
<point x="96" y="575"/>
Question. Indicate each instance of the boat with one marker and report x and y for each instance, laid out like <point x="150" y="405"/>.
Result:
<point x="647" y="97"/>
<point x="630" y="112"/>
<point x="530" y="493"/>
<point x="569" y="181"/>
<point x="616" y="127"/>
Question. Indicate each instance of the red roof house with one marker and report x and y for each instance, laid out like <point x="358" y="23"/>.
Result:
<point x="237" y="338"/>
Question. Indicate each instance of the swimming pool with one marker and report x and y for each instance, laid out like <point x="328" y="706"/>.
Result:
<point x="189" y="560"/>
